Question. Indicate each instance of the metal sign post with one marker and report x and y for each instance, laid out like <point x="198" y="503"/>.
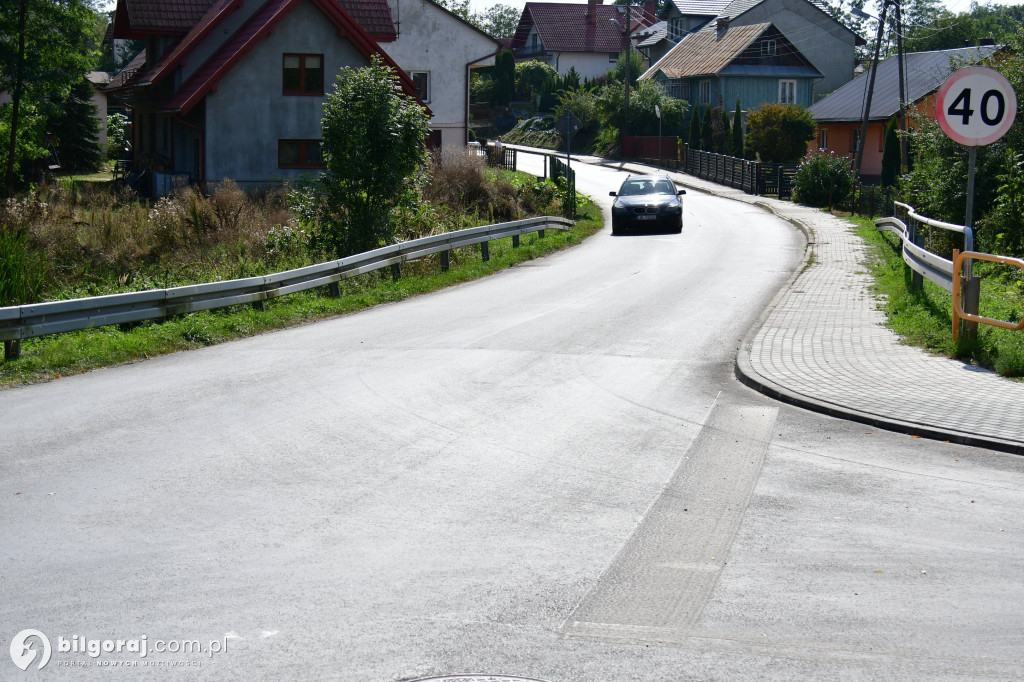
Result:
<point x="975" y="106"/>
<point x="569" y="125"/>
<point x="657" y="112"/>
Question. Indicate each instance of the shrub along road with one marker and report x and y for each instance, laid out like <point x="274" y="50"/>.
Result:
<point x="549" y="473"/>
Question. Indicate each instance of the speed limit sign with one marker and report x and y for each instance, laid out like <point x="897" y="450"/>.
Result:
<point x="976" y="106"/>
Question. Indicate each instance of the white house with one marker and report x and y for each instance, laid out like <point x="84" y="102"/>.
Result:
<point x="436" y="49"/>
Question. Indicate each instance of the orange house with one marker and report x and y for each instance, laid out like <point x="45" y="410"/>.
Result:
<point x="840" y="115"/>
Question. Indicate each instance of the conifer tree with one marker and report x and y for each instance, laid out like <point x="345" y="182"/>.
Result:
<point x="706" y="141"/>
<point x="694" y="138"/>
<point x="737" y="131"/>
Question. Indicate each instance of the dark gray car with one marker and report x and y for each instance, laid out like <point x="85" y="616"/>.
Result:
<point x="647" y="203"/>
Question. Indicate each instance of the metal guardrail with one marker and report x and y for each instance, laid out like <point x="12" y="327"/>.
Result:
<point x="931" y="266"/>
<point x="55" y="317"/>
<point x="955" y="276"/>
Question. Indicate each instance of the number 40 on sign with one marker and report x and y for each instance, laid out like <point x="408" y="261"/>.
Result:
<point x="976" y="106"/>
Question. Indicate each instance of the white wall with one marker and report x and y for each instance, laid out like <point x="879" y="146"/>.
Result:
<point x="432" y="40"/>
<point x="587" y="64"/>
<point x="248" y="114"/>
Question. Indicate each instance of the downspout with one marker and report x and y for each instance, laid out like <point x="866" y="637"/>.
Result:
<point x="202" y="150"/>
<point x="469" y="64"/>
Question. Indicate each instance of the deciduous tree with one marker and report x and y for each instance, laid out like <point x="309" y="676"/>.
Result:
<point x="374" y="145"/>
<point x="44" y="51"/>
<point x="779" y="133"/>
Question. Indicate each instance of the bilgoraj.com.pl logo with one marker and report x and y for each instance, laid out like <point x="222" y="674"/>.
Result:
<point x="30" y="645"/>
<point x="23" y="651"/>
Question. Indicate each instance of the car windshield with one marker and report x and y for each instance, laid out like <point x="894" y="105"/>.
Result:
<point x="634" y="187"/>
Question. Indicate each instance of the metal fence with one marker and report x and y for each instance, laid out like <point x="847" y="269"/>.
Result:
<point x="557" y="169"/>
<point x="752" y="177"/>
<point x="55" y="317"/>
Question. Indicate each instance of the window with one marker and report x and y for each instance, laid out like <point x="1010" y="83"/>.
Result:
<point x="679" y="88"/>
<point x="823" y="141"/>
<point x="856" y="139"/>
<point x="705" y="92"/>
<point x="299" y="154"/>
<point x="421" y="79"/>
<point x="787" y="92"/>
<point x="675" y="29"/>
<point x="613" y="57"/>
<point x="768" y="48"/>
<point x="303" y="74"/>
<point x="534" y="42"/>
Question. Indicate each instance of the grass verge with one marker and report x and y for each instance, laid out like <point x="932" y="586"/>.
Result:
<point x="924" y="317"/>
<point x="51" y="357"/>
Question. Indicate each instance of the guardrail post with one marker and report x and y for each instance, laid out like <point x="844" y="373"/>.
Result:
<point x="515" y="241"/>
<point x="916" y="279"/>
<point x="396" y="272"/>
<point x="485" y="251"/>
<point x="259" y="305"/>
<point x="446" y="261"/>
<point x="334" y="290"/>
<point x="540" y="234"/>
<point x="12" y="349"/>
<point x="970" y="289"/>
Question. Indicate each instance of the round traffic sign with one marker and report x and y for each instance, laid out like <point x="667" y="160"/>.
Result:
<point x="976" y="106"/>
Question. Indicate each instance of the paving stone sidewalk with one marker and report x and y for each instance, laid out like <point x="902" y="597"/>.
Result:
<point x="822" y="344"/>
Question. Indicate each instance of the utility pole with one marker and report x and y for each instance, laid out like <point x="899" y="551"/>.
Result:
<point x="624" y="131"/>
<point x="862" y="146"/>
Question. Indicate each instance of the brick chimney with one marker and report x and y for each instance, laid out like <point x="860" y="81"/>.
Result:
<point x="722" y="23"/>
<point x="592" y="10"/>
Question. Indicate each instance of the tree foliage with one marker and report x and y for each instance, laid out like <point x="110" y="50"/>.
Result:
<point x="891" y="154"/>
<point x="823" y="179"/>
<point x="530" y="76"/>
<point x="707" y="140"/>
<point x="37" y="66"/>
<point x="500" y="21"/>
<point x="374" y="145"/>
<point x="76" y="129"/>
<point x="637" y="66"/>
<point x="694" y="133"/>
<point x="504" y="76"/>
<point x="737" y="131"/>
<point x="779" y="133"/>
<point x="642" y="118"/>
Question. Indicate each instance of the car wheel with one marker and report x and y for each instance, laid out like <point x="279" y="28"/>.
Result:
<point x="679" y="227"/>
<point x="616" y="230"/>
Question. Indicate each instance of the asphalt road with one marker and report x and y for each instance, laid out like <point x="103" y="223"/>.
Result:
<point x="550" y="473"/>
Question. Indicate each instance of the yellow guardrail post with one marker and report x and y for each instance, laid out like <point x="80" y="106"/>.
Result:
<point x="958" y="308"/>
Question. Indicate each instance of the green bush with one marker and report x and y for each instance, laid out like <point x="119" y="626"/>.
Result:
<point x="779" y="133"/>
<point x="823" y="179"/>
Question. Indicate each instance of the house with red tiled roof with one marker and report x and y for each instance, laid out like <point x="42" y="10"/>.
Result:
<point x="234" y="89"/>
<point x="571" y="35"/>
